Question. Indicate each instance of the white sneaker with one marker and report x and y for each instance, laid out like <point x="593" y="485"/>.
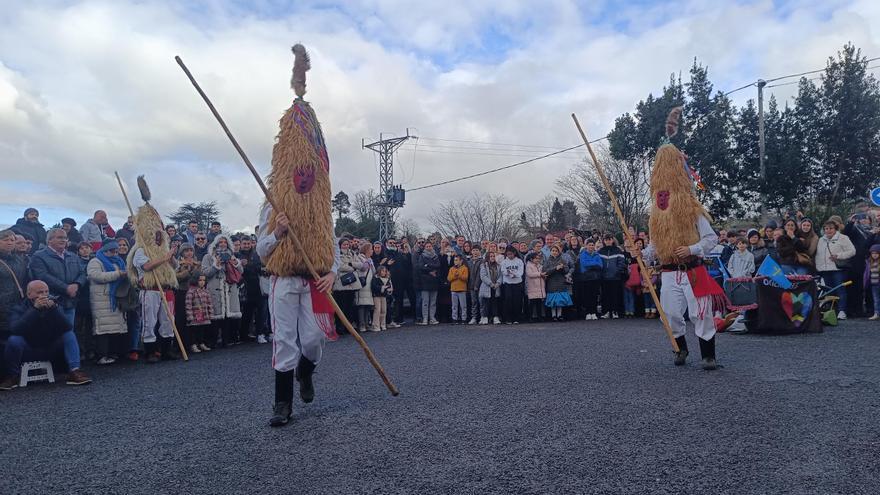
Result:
<point x="875" y="317"/>
<point x="841" y="315"/>
<point x="606" y="316"/>
<point x="473" y="321"/>
<point x="484" y="321"/>
<point x="615" y="316"/>
<point x="496" y="321"/>
<point x="204" y="347"/>
<point x="106" y="360"/>
<point x="374" y="329"/>
<point x="434" y="322"/>
<point x="362" y="329"/>
<point x="422" y="323"/>
<point x="261" y="339"/>
<point x="393" y="325"/>
<point x="194" y="349"/>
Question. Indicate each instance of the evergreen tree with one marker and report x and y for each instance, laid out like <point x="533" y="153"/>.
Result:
<point x="340" y="204"/>
<point x="571" y="219"/>
<point x="556" y="222"/>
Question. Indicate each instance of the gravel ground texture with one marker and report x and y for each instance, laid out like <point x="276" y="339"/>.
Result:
<point x="577" y="407"/>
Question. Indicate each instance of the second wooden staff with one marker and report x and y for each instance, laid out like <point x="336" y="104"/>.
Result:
<point x="642" y="268"/>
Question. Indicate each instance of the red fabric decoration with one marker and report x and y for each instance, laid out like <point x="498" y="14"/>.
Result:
<point x="324" y="312"/>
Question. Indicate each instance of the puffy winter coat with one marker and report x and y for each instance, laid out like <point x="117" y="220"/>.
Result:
<point x="614" y="265"/>
<point x="34" y="230"/>
<point x="589" y="267"/>
<point x="107" y="321"/>
<point x="10" y="296"/>
<point x="349" y="262"/>
<point x="535" y="288"/>
<point x="839" y="245"/>
<point x="364" y="296"/>
<point x="224" y="296"/>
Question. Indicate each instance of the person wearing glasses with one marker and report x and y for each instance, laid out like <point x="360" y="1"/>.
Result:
<point x="61" y="270"/>
<point x="201" y="245"/>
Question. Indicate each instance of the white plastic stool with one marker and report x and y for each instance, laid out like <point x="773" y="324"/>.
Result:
<point x="43" y="369"/>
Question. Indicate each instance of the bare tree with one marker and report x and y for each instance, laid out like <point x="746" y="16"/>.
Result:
<point x="630" y="180"/>
<point x="408" y="228"/>
<point x="363" y="205"/>
<point x="478" y="217"/>
<point x="534" y="217"/>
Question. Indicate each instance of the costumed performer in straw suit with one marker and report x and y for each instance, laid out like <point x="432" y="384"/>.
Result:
<point x="155" y="275"/>
<point x="299" y="183"/>
<point x="680" y="238"/>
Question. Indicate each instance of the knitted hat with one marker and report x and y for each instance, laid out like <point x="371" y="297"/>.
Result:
<point x="109" y="245"/>
<point x="875" y="248"/>
<point x="752" y="232"/>
<point x="772" y="225"/>
<point x="29" y="211"/>
<point x="68" y="221"/>
<point x="184" y="246"/>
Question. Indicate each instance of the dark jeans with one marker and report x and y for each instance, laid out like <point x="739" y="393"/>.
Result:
<point x="345" y="300"/>
<point x="536" y="309"/>
<point x="832" y="279"/>
<point x="587" y="297"/>
<point x="612" y="296"/>
<point x="19" y="351"/>
<point x="248" y="313"/>
<point x="511" y="296"/>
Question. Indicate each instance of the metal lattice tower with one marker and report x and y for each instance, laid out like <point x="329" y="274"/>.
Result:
<point x="388" y="203"/>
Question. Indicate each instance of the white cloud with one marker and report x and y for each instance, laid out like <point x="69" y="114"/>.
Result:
<point x="91" y="87"/>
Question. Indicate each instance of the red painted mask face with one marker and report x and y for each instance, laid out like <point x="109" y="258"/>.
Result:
<point x="303" y="180"/>
<point x="663" y="200"/>
<point x="158" y="237"/>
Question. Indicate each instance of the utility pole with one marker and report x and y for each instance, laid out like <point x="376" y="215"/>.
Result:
<point x="390" y="197"/>
<point x="761" y="83"/>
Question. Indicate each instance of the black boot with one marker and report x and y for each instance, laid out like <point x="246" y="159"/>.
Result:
<point x="707" y="351"/>
<point x="682" y="353"/>
<point x="151" y="349"/>
<point x="283" y="398"/>
<point x="304" y="371"/>
<point x="169" y="353"/>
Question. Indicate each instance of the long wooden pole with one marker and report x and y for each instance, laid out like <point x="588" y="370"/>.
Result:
<point x="620" y="218"/>
<point x="156" y="279"/>
<point x="290" y="233"/>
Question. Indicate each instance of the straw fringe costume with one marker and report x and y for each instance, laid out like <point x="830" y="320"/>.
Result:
<point x="301" y="317"/>
<point x="152" y="243"/>
<point x="679" y="220"/>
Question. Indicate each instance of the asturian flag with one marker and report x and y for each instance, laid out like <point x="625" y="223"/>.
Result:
<point x="771" y="269"/>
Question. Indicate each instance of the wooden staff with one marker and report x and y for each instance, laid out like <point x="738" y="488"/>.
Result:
<point x="156" y="279"/>
<point x="642" y="268"/>
<point x="290" y="233"/>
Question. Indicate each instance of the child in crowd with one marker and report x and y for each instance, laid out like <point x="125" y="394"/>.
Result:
<point x="458" y="283"/>
<point x="199" y="309"/>
<point x="490" y="289"/>
<point x="535" y="287"/>
<point x="590" y="265"/>
<point x="363" y="298"/>
<point x="872" y="278"/>
<point x="512" y="271"/>
<point x="555" y="271"/>
<point x="382" y="289"/>
<point x="474" y="264"/>
<point x="742" y="262"/>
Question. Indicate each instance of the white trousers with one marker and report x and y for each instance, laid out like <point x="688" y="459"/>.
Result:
<point x="153" y="311"/>
<point x="293" y="323"/>
<point x="676" y="297"/>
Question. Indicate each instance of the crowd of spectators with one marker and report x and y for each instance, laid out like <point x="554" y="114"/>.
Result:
<point x="64" y="293"/>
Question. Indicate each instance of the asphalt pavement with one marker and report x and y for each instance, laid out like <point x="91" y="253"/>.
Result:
<point x="577" y="407"/>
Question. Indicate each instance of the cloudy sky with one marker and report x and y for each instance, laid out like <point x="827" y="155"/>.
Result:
<point x="87" y="88"/>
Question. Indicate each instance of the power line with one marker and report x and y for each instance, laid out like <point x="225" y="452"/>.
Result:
<point x="812" y="78"/>
<point x="486" y="142"/>
<point x="477" y="153"/>
<point x="548" y="155"/>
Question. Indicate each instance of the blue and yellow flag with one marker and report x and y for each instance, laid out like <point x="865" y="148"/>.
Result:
<point x="771" y="269"/>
